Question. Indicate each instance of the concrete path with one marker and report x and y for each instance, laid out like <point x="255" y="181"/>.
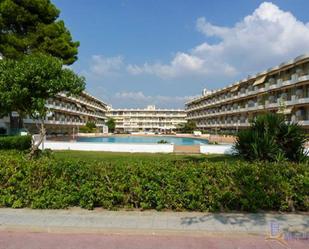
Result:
<point x="83" y="229"/>
<point x="149" y="222"/>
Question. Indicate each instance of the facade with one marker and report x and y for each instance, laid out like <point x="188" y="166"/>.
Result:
<point x="149" y="119"/>
<point x="282" y="89"/>
<point x="68" y="113"/>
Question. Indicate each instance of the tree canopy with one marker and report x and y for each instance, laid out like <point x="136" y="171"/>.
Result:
<point x="31" y="26"/>
<point x="188" y="127"/>
<point x="111" y="124"/>
<point x="26" y="84"/>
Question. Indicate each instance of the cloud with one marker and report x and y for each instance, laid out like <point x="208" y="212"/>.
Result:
<point x="139" y="99"/>
<point x="106" y="66"/>
<point x="264" y="38"/>
<point x="182" y="64"/>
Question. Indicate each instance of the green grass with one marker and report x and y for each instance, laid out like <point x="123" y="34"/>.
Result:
<point x="117" y="156"/>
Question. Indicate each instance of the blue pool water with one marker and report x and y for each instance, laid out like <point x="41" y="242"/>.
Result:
<point x="144" y="139"/>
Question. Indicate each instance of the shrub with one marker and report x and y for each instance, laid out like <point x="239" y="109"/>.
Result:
<point x="15" y="143"/>
<point x="162" y="141"/>
<point x="90" y="127"/>
<point x="85" y="129"/>
<point x="188" y="127"/>
<point x="271" y="138"/>
<point x="153" y="183"/>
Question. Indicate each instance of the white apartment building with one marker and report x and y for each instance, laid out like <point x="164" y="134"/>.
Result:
<point x="148" y="119"/>
<point x="282" y="89"/>
<point x="67" y="114"/>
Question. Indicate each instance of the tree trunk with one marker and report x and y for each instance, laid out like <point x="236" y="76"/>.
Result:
<point x="36" y="145"/>
<point x="16" y="123"/>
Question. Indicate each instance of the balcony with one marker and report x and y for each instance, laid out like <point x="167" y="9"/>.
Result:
<point x="279" y="84"/>
<point x="70" y="110"/>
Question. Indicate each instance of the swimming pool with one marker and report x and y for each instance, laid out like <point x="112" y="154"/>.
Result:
<point x="144" y="139"/>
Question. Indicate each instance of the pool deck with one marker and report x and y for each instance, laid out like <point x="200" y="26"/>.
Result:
<point x="137" y="147"/>
<point x="71" y="143"/>
<point x="187" y="149"/>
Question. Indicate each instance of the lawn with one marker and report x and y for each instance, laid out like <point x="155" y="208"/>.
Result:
<point x="146" y="157"/>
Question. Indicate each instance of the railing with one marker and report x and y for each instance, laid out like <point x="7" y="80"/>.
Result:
<point x="51" y="106"/>
<point x="83" y="102"/>
<point x="253" y="92"/>
<point x="287" y="103"/>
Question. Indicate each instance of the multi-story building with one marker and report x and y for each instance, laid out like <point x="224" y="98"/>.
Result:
<point x="67" y="114"/>
<point x="148" y="119"/>
<point x="282" y="89"/>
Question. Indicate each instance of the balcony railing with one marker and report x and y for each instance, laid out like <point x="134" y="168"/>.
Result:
<point x="278" y="85"/>
<point x="86" y="113"/>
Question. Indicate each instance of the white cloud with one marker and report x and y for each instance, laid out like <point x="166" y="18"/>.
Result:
<point x="266" y="37"/>
<point x="139" y="99"/>
<point x="182" y="64"/>
<point x="105" y="66"/>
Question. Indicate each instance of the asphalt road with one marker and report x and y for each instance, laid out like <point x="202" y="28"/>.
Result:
<point x="30" y="240"/>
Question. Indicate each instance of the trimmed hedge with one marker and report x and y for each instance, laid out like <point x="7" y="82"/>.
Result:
<point x="199" y="185"/>
<point x="15" y="142"/>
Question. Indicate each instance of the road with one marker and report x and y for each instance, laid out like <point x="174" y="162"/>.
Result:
<point x="31" y="240"/>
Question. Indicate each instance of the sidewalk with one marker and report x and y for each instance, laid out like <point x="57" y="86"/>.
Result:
<point x="149" y="222"/>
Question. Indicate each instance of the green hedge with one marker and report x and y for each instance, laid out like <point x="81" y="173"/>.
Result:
<point x="15" y="143"/>
<point x="199" y="185"/>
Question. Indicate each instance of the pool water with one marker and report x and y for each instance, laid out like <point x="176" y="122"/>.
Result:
<point x="144" y="139"/>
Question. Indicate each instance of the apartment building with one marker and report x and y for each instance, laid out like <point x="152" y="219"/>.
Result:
<point x="149" y="119"/>
<point x="281" y="89"/>
<point x="68" y="113"/>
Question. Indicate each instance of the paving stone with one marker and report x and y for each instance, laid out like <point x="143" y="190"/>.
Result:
<point x="152" y="220"/>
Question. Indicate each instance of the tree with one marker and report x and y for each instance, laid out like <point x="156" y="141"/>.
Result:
<point x="89" y="127"/>
<point x="188" y="127"/>
<point x="26" y="85"/>
<point x="31" y="26"/>
<point x="111" y="124"/>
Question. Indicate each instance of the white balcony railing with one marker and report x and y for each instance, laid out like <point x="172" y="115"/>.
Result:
<point x="278" y="85"/>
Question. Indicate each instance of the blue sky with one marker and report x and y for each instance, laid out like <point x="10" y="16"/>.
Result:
<point x="163" y="52"/>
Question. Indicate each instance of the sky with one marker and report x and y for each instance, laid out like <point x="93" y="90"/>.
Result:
<point x="135" y="53"/>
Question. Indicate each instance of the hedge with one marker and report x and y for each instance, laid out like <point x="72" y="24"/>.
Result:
<point x="202" y="185"/>
<point x="15" y="142"/>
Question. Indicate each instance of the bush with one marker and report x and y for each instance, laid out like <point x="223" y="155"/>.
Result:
<point x="90" y="127"/>
<point x="271" y="138"/>
<point x="85" y="129"/>
<point x="15" y="143"/>
<point x="162" y="141"/>
<point x="154" y="183"/>
<point x="188" y="127"/>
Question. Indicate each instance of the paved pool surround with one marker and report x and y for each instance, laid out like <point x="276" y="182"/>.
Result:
<point x="133" y="147"/>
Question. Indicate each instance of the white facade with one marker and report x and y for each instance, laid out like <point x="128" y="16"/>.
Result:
<point x="68" y="113"/>
<point x="148" y="119"/>
<point x="282" y="89"/>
